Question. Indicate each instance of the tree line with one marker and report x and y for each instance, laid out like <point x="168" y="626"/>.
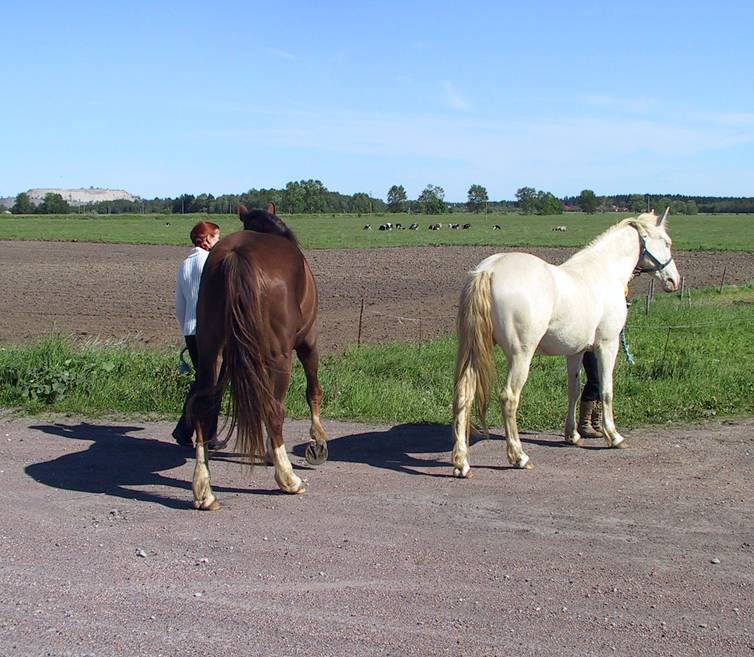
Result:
<point x="312" y="197"/>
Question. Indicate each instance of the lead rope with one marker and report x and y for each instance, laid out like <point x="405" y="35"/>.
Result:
<point x="624" y="346"/>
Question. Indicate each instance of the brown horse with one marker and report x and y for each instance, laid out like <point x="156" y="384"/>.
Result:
<point x="257" y="305"/>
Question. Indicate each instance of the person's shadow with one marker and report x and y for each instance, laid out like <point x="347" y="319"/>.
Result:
<point x="120" y="465"/>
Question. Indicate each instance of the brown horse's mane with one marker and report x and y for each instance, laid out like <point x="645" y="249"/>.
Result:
<point x="265" y="221"/>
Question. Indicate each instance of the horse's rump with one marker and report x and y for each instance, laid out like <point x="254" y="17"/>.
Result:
<point x="254" y="287"/>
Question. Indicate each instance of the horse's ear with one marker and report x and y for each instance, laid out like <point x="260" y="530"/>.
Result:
<point x="242" y="211"/>
<point x="271" y="208"/>
<point x="664" y="217"/>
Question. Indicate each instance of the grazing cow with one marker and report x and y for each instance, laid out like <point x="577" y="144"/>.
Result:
<point x="435" y="226"/>
<point x="387" y="226"/>
<point x="560" y="229"/>
<point x="454" y="226"/>
<point x="414" y="227"/>
<point x="367" y="227"/>
<point x="496" y="227"/>
<point x="398" y="226"/>
<point x="466" y="226"/>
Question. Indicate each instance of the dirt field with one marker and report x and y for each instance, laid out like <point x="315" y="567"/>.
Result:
<point x="117" y="291"/>
<point x="638" y="552"/>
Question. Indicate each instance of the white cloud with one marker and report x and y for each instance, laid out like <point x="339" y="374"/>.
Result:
<point x="562" y="153"/>
<point x="282" y="54"/>
<point x="453" y="98"/>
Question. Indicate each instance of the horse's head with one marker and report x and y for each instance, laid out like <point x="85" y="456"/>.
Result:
<point x="265" y="221"/>
<point x="654" y="250"/>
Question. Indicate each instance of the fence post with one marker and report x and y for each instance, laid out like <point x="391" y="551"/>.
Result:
<point x="722" y="280"/>
<point x="361" y="318"/>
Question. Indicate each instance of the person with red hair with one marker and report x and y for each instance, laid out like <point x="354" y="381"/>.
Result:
<point x="204" y="236"/>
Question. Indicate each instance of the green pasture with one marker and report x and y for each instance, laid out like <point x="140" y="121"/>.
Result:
<point x="694" y="361"/>
<point x="698" y="232"/>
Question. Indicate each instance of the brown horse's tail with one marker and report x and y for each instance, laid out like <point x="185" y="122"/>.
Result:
<point x="475" y="364"/>
<point x="245" y="356"/>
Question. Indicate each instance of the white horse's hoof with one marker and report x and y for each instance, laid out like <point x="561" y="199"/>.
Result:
<point x="523" y="463"/>
<point x="207" y="504"/>
<point x="573" y="439"/>
<point x="462" y="473"/>
<point x="617" y="441"/>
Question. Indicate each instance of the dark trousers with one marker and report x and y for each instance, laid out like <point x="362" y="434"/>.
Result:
<point x="592" y="388"/>
<point x="184" y="428"/>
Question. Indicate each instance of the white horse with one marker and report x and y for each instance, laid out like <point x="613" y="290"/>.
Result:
<point x="526" y="305"/>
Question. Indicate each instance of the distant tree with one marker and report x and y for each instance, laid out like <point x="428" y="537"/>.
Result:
<point x="691" y="207"/>
<point x="314" y="195"/>
<point x="677" y="207"/>
<point x="22" y="205"/>
<point x="547" y="204"/>
<point x="431" y="200"/>
<point x="202" y="203"/>
<point x="183" y="204"/>
<point x="477" y="197"/>
<point x="637" y="203"/>
<point x="662" y="203"/>
<point x="588" y="201"/>
<point x="396" y="199"/>
<point x="526" y="197"/>
<point x="360" y="202"/>
<point x="293" y="198"/>
<point x="53" y="204"/>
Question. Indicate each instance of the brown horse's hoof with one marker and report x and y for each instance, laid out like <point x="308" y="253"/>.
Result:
<point x="316" y="453"/>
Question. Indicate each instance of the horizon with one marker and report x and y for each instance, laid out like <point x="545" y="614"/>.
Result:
<point x="175" y="99"/>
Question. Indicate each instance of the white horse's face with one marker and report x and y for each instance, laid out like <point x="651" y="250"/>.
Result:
<point x="659" y="257"/>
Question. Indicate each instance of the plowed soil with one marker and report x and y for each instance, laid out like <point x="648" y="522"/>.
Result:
<point x="127" y="291"/>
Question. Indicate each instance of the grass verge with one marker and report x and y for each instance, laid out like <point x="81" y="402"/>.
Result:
<point x="694" y="361"/>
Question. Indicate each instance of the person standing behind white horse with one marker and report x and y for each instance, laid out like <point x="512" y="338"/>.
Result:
<point x="204" y="236"/>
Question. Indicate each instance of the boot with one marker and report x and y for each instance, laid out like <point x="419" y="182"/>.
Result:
<point x="586" y="414"/>
<point x="597" y="419"/>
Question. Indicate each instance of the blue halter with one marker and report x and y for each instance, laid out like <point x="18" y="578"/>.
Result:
<point x="644" y="253"/>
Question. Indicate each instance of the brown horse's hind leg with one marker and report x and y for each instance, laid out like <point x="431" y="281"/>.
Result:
<point x="286" y="479"/>
<point x="308" y="354"/>
<point x="205" y="411"/>
<point x="204" y="498"/>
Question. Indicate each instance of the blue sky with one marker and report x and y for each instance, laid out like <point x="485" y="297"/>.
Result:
<point x="162" y="98"/>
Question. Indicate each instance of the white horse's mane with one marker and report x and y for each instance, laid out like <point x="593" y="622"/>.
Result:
<point x="646" y="220"/>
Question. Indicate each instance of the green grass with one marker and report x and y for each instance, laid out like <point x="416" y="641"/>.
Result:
<point x="693" y="362"/>
<point x="724" y="231"/>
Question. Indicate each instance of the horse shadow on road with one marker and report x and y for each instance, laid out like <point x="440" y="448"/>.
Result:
<point x="419" y="449"/>
<point x="119" y="464"/>
<point x="414" y="449"/>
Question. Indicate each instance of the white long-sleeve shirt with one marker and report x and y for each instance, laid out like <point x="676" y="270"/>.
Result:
<point x="187" y="289"/>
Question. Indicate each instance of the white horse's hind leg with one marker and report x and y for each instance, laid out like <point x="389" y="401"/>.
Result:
<point x="606" y="354"/>
<point x="574" y="368"/>
<point x="518" y="372"/>
<point x="464" y="399"/>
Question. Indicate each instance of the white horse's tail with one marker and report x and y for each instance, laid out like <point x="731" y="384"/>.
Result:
<point x="475" y="363"/>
